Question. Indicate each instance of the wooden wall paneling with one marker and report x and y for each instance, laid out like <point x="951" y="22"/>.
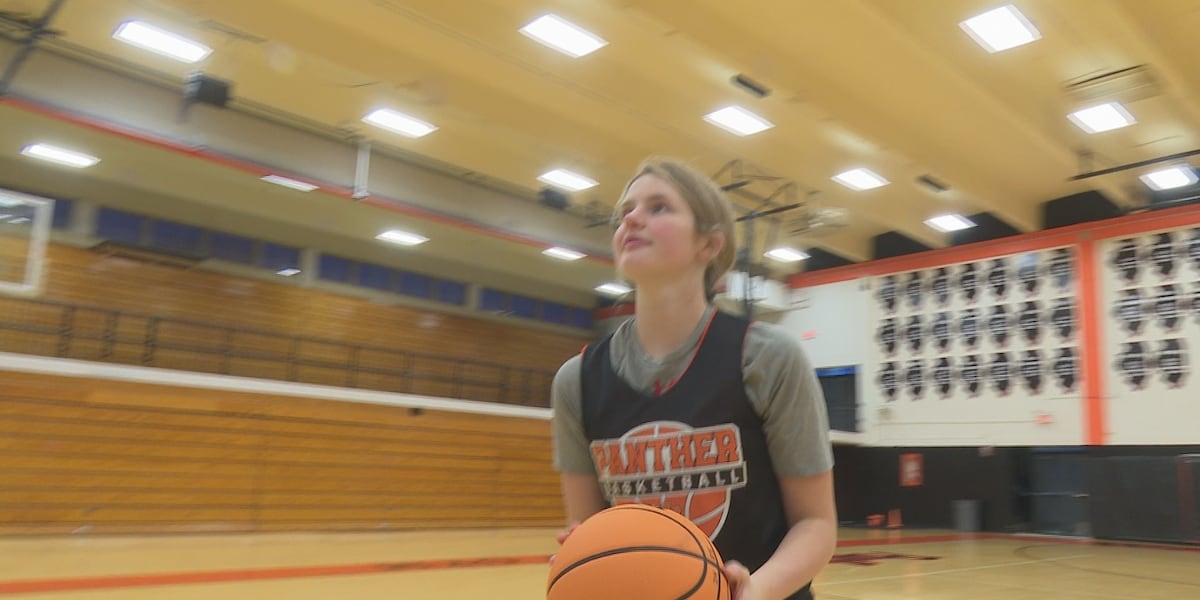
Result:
<point x="118" y="456"/>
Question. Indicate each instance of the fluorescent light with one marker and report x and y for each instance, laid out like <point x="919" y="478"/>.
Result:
<point x="563" y="35"/>
<point x="404" y="238"/>
<point x="860" y="179"/>
<point x="1166" y="179"/>
<point x="288" y="272"/>
<point x="1104" y="117"/>
<point x="290" y="183"/>
<point x="785" y="254"/>
<point x="1000" y="29"/>
<point x="400" y="123"/>
<point x="60" y="156"/>
<point x="567" y="180"/>
<point x="614" y="289"/>
<point x="738" y="120"/>
<point x="149" y="37"/>
<point x="948" y="223"/>
<point x="563" y="253"/>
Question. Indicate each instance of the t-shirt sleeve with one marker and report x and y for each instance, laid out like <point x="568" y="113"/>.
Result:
<point x="783" y="387"/>
<point x="571" y="449"/>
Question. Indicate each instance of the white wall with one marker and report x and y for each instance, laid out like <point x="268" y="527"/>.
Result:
<point x="831" y="323"/>
<point x="841" y="324"/>
<point x="1150" y="297"/>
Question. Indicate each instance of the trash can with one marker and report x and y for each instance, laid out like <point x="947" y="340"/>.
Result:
<point x="968" y="515"/>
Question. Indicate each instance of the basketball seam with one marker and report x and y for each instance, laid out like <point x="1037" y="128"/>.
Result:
<point x="628" y="549"/>
<point x="671" y="516"/>
<point x="666" y="514"/>
<point x="699" y="544"/>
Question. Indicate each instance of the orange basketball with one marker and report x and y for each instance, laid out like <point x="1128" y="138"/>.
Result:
<point x="637" y="552"/>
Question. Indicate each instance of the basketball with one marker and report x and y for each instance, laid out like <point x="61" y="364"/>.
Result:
<point x="637" y="552"/>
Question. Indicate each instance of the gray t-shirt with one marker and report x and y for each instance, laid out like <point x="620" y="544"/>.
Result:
<point x="780" y="383"/>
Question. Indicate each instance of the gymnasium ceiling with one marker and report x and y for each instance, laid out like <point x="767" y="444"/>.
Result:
<point x="895" y="86"/>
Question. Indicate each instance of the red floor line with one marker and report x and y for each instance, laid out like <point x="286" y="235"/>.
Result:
<point x="101" y="582"/>
<point x="1049" y="539"/>
<point x="162" y="579"/>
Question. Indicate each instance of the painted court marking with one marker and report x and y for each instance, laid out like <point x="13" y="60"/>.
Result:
<point x="101" y="582"/>
<point x="161" y="579"/>
<point x="958" y="570"/>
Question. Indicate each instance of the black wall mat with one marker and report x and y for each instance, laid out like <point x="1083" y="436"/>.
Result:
<point x="1078" y="208"/>
<point x="1136" y="498"/>
<point x="819" y="258"/>
<point x="867" y="481"/>
<point x="987" y="227"/>
<point x="894" y="243"/>
<point x="1128" y="492"/>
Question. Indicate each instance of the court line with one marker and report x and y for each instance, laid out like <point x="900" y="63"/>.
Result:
<point x="1055" y="539"/>
<point x="193" y="577"/>
<point x="101" y="582"/>
<point x="958" y="570"/>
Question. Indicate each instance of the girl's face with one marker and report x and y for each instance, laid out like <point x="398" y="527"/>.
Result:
<point x="656" y="234"/>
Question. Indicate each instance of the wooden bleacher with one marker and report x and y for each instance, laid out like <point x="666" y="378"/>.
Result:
<point x="125" y="457"/>
<point x="93" y="455"/>
<point x="100" y="307"/>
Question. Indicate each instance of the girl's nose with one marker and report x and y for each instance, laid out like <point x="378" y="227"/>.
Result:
<point x="633" y="217"/>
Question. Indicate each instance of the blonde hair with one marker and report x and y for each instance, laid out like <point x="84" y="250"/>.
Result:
<point x="712" y="210"/>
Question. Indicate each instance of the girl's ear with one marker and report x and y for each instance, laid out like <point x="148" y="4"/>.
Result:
<point x="713" y="243"/>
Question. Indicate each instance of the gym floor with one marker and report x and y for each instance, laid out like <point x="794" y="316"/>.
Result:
<point x="870" y="564"/>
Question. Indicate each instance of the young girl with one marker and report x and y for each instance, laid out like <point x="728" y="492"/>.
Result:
<point x="696" y="410"/>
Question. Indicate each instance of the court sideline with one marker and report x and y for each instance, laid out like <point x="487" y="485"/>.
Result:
<point x="870" y="564"/>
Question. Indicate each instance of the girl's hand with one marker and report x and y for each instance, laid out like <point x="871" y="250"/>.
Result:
<point x="739" y="581"/>
<point x="562" y="536"/>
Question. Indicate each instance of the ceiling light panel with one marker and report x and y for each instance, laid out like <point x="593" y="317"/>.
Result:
<point x="786" y="254"/>
<point x="860" y="179"/>
<point x="160" y="41"/>
<point x="949" y="223"/>
<point x="563" y="253"/>
<point x="567" y="180"/>
<point x="613" y="289"/>
<point x="738" y="120"/>
<point x="1104" y="117"/>
<point x="1001" y="29"/>
<point x="288" y="182"/>
<point x="1166" y="179"/>
<point x="61" y="156"/>
<point x="398" y="122"/>
<point x="563" y="35"/>
<point x="403" y="238"/>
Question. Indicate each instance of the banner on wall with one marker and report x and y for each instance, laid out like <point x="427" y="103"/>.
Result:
<point x="1152" y="294"/>
<point x="912" y="469"/>
<point x="992" y="328"/>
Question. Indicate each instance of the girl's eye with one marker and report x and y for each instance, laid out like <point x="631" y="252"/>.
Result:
<point x="659" y="207"/>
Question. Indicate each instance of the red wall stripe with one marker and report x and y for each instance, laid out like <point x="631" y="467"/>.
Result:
<point x="1040" y="240"/>
<point x="1091" y="349"/>
<point x="624" y="309"/>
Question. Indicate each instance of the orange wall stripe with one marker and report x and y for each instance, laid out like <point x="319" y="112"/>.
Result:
<point x="1091" y="348"/>
<point x="1039" y="240"/>
<point x="623" y="309"/>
